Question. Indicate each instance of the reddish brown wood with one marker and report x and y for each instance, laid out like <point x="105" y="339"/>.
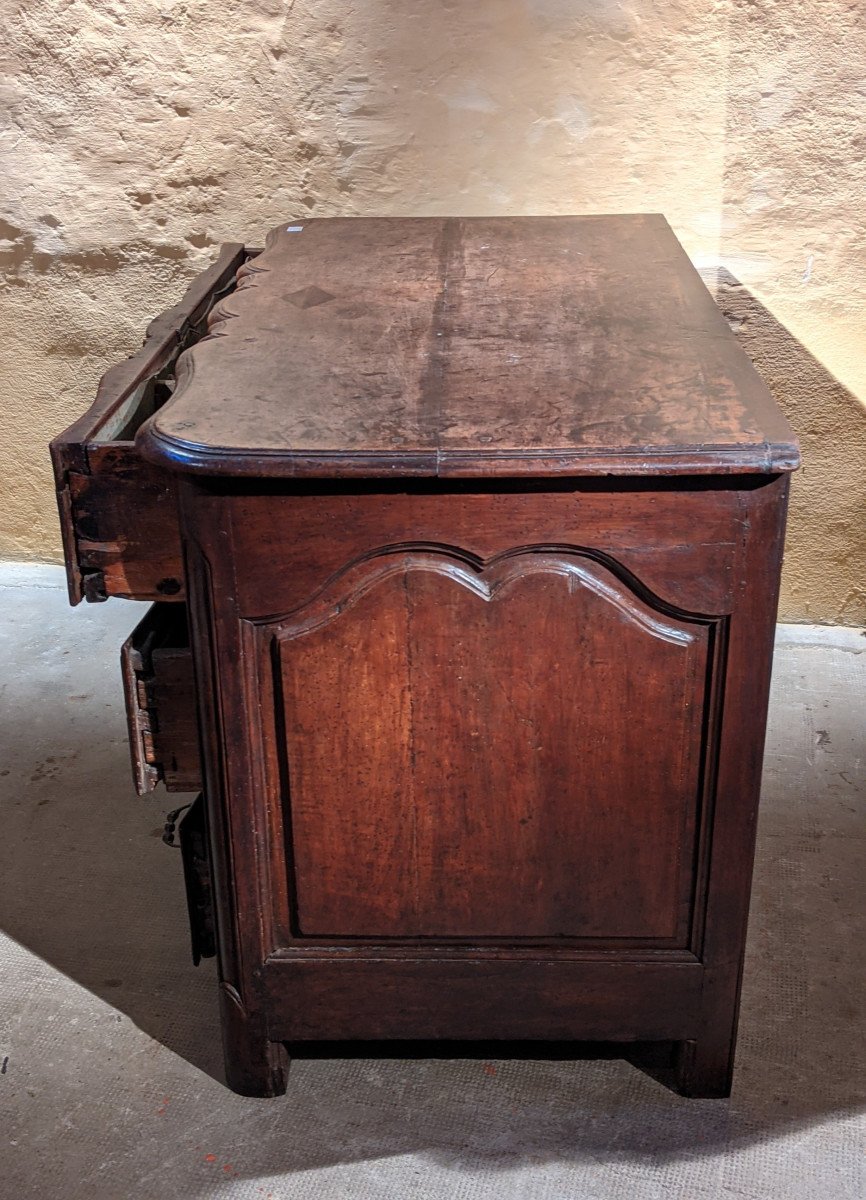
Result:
<point x="280" y="573"/>
<point x="481" y="756"/>
<point x="124" y="520"/>
<point x="256" y="1064"/>
<point x="338" y="837"/>
<point x="481" y="788"/>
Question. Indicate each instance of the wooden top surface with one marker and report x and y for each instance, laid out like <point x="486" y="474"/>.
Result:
<point x="485" y="346"/>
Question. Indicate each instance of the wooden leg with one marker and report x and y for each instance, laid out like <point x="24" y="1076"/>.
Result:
<point x="700" y="1068"/>
<point x="255" y="1066"/>
<point x="704" y="1068"/>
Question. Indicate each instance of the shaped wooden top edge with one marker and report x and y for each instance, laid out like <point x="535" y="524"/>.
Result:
<point x="778" y="451"/>
<point x="162" y="336"/>
<point x="768" y="459"/>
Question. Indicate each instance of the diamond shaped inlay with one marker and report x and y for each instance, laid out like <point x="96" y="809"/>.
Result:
<point x="309" y="297"/>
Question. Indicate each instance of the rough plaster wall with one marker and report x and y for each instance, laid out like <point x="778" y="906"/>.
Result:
<point x="794" y="239"/>
<point x="140" y="134"/>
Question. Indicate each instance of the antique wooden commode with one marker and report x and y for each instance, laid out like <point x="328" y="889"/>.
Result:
<point x="469" y="534"/>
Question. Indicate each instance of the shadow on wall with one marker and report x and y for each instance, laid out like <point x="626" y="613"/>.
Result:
<point x="824" y="579"/>
<point x="737" y="120"/>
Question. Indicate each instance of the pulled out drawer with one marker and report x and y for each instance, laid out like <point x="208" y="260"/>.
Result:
<point x="160" y="702"/>
<point x="118" y="513"/>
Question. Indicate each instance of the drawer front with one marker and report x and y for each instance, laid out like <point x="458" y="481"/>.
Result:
<point x="118" y="513"/>
<point x="160" y="702"/>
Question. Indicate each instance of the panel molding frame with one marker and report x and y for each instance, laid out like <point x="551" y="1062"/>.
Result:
<point x="486" y="577"/>
<point x="466" y="565"/>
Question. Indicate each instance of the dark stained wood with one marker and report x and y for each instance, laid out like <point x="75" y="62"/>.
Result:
<point x="156" y="664"/>
<point x="472" y="347"/>
<point x="175" y="737"/>
<point x="366" y="999"/>
<point x="481" y="756"/>
<point x="118" y="513"/>
<point x="311" y="800"/>
<point x="256" y="1065"/>
<point x="705" y="1065"/>
<point x="192" y="835"/>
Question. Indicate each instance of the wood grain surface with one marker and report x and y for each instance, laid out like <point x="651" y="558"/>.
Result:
<point x="478" y="781"/>
<point x="528" y="346"/>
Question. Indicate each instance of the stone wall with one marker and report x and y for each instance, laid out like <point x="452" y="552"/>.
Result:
<point x="141" y="134"/>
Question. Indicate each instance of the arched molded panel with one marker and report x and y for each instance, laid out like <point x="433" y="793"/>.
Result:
<point x="465" y="750"/>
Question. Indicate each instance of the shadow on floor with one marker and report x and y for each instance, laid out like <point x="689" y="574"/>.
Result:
<point x="88" y="886"/>
<point x="85" y="881"/>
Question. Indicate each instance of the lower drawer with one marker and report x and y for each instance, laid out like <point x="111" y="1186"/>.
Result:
<point x="160" y="702"/>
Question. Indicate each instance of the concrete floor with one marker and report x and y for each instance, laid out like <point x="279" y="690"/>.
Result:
<point x="109" y="1050"/>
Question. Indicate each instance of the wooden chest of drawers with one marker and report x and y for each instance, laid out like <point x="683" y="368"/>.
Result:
<point x="466" y="538"/>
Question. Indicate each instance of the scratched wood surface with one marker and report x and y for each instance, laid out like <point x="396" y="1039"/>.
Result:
<point x="470" y="346"/>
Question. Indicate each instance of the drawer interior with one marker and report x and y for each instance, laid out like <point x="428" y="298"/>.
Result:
<point x="118" y="513"/>
<point x="159" y="689"/>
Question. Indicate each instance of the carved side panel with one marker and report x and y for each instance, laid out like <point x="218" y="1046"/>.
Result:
<point x="479" y="752"/>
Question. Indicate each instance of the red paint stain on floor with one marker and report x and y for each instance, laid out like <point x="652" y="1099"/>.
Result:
<point x="489" y="1069"/>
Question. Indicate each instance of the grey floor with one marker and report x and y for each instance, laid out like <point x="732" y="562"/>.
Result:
<point x="109" y="1050"/>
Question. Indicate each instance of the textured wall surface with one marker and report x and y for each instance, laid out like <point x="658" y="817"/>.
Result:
<point x="141" y="133"/>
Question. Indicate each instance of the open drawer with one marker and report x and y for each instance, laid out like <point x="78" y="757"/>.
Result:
<point x="160" y="702"/>
<point x="118" y="513"/>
